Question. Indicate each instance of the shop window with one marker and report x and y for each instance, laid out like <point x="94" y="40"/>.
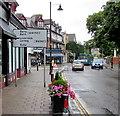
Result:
<point x="10" y="57"/>
<point x="21" y="57"/>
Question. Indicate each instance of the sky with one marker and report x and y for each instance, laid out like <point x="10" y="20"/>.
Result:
<point x="72" y="18"/>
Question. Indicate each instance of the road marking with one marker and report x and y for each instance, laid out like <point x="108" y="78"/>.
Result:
<point x="83" y="106"/>
<point x="81" y="111"/>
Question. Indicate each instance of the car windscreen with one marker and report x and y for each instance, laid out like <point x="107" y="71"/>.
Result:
<point x="77" y="62"/>
<point x="97" y="61"/>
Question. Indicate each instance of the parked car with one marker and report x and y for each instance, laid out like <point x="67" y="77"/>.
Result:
<point x="77" y="65"/>
<point x="85" y="61"/>
<point x="97" y="64"/>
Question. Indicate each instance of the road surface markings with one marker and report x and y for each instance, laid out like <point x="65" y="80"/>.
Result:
<point x="84" y="109"/>
<point x="78" y="103"/>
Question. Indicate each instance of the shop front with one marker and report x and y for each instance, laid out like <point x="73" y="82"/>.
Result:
<point x="56" y="55"/>
<point x="12" y="59"/>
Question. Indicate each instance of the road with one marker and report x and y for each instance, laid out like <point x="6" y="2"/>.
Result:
<point x="97" y="89"/>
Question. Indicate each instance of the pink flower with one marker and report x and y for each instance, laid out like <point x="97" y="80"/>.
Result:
<point x="56" y="88"/>
<point x="59" y="94"/>
<point x="61" y="86"/>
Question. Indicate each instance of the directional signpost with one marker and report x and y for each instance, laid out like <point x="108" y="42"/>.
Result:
<point x="31" y="38"/>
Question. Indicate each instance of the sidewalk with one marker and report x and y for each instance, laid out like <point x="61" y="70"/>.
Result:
<point x="29" y="97"/>
<point x="115" y="67"/>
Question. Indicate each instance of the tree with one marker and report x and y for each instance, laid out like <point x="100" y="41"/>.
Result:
<point x="75" y="48"/>
<point x="112" y="22"/>
<point x="88" y="45"/>
<point x="104" y="27"/>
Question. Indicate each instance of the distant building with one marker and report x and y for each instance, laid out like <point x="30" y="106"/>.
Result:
<point x="71" y="37"/>
<point x="38" y="23"/>
<point x="95" y="51"/>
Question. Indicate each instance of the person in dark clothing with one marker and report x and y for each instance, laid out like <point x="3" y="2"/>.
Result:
<point x="111" y="62"/>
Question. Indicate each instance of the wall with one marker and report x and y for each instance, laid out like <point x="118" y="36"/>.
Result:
<point x="116" y="60"/>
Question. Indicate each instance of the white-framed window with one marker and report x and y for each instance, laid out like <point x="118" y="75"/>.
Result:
<point x="21" y="57"/>
<point x="40" y="24"/>
<point x="23" y="22"/>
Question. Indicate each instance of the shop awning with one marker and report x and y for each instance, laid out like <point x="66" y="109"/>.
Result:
<point x="6" y="29"/>
<point x="54" y="54"/>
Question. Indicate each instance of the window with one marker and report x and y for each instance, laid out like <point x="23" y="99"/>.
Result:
<point x="23" y="22"/>
<point x="10" y="57"/>
<point x="40" y="24"/>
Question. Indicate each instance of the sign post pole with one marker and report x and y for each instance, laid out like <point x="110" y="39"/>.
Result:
<point x="44" y="65"/>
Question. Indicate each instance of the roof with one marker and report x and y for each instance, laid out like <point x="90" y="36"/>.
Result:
<point x="20" y="16"/>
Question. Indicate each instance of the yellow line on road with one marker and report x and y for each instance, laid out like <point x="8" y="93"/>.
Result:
<point x="83" y="106"/>
<point x="78" y="101"/>
<point x="81" y="112"/>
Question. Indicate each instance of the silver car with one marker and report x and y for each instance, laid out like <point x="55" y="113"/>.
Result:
<point x="77" y="65"/>
<point x="97" y="64"/>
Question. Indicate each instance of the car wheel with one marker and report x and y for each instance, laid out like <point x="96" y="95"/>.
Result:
<point x="102" y="67"/>
<point x="82" y="69"/>
<point x="92" y="67"/>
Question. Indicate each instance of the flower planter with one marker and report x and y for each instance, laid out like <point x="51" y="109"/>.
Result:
<point x="57" y="104"/>
<point x="60" y="104"/>
<point x="59" y="90"/>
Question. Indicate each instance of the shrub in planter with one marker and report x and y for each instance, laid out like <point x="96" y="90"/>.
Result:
<point x="57" y="90"/>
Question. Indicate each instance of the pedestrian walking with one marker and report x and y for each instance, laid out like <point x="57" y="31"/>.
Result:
<point x="111" y="62"/>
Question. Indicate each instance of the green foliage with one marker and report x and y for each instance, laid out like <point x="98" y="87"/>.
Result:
<point x="104" y="27"/>
<point x="88" y="45"/>
<point x="74" y="47"/>
<point x="60" y="82"/>
<point x="57" y="75"/>
<point x="112" y="22"/>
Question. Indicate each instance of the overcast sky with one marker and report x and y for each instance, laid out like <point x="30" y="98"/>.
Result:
<point x="72" y="18"/>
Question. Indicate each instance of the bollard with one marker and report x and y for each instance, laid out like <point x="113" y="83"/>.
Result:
<point x="37" y="67"/>
<point x="65" y="110"/>
<point x="52" y="76"/>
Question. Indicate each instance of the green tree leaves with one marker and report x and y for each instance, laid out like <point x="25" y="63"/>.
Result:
<point x="74" y="47"/>
<point x="104" y="27"/>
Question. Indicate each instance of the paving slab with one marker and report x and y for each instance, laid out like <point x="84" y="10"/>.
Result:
<point x="30" y="96"/>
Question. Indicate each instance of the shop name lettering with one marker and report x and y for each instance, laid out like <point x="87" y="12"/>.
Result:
<point x="25" y="33"/>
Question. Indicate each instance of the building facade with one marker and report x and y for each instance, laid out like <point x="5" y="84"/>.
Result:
<point x="71" y="37"/>
<point x="13" y="58"/>
<point x="38" y="23"/>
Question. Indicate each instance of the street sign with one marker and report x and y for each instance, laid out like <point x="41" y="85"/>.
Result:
<point x="30" y="38"/>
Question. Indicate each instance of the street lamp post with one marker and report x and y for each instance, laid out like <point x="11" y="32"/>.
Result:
<point x="50" y="43"/>
<point x="51" y="68"/>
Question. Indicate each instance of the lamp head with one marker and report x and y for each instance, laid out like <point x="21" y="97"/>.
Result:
<point x="60" y="8"/>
